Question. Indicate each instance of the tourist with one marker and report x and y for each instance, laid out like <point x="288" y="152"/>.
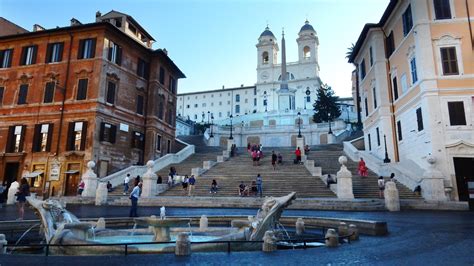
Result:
<point x="243" y="189"/>
<point x="159" y="180"/>
<point x="330" y="180"/>
<point x="274" y="160"/>
<point x="259" y="155"/>
<point x="417" y="190"/>
<point x="137" y="179"/>
<point x="253" y="188"/>
<point x="184" y="183"/>
<point x="392" y="177"/>
<point x="298" y="155"/>
<point x="381" y="184"/>
<point x="362" y="168"/>
<point x="191" y="183"/>
<point x="170" y="180"/>
<point x="125" y="184"/>
<point x="80" y="188"/>
<point x="23" y="192"/>
<point x="260" y="148"/>
<point x="109" y="186"/>
<point x="280" y="158"/>
<point x="259" y="185"/>
<point x="248" y="147"/>
<point x="306" y="149"/>
<point x="213" y="186"/>
<point x="254" y="157"/>
<point x="134" y="195"/>
<point x="2" y="190"/>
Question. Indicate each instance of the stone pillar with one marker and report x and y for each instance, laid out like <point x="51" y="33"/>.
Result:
<point x="149" y="181"/>
<point x="100" y="224"/>
<point x="3" y="242"/>
<point x="299" y="226"/>
<point x="11" y="193"/>
<point x="269" y="242"/>
<point x="300" y="143"/>
<point x="392" y="200"/>
<point x="183" y="245"/>
<point x="343" y="229"/>
<point x="354" y="232"/>
<point x="101" y="194"/>
<point x="230" y="142"/>
<point x="90" y="181"/>
<point x="203" y="223"/>
<point x="332" y="239"/>
<point x="331" y="139"/>
<point x="344" y="181"/>
<point x="432" y="184"/>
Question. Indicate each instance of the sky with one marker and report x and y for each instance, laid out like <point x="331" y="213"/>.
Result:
<point x="213" y="41"/>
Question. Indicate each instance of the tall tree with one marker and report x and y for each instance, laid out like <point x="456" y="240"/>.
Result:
<point x="326" y="104"/>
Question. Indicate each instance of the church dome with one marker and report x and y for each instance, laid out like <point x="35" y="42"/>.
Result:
<point x="267" y="32"/>
<point x="307" y="27"/>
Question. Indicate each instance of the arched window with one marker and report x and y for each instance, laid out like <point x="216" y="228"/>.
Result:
<point x="265" y="57"/>
<point x="306" y="52"/>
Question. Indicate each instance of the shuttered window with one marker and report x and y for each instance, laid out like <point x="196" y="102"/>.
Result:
<point x="142" y="68"/>
<point x="395" y="88"/>
<point x="138" y="140"/>
<point x="407" y="21"/>
<point x="86" y="48"/>
<point x="442" y="9"/>
<point x="140" y="104"/>
<point x="82" y="89"/>
<point x="22" y="94"/>
<point x="42" y="137"/>
<point x="457" y="116"/>
<point x="107" y="132"/>
<point x="6" y="58"/>
<point x="49" y="92"/>
<point x="449" y="61"/>
<point x="370" y="142"/>
<point x="362" y="70"/>
<point x="54" y="52"/>
<point x="77" y="134"/>
<point x="419" y="119"/>
<point x="15" y="139"/>
<point x="378" y="136"/>
<point x="111" y="92"/>
<point x="390" y="44"/>
<point x="115" y="53"/>
<point x="399" y="128"/>
<point x="2" y="91"/>
<point x="162" y="76"/>
<point x="28" y="55"/>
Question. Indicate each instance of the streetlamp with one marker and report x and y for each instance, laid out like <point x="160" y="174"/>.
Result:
<point x="308" y="92"/>
<point x="212" y="123"/>
<point x="265" y="100"/>
<point x="203" y="115"/>
<point x="230" y="137"/>
<point x="329" y="120"/>
<point x="208" y="116"/>
<point x="299" y="125"/>
<point x="386" y="160"/>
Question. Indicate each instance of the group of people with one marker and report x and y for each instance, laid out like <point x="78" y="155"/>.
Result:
<point x="188" y="184"/>
<point x="254" y="189"/>
<point x="256" y="152"/>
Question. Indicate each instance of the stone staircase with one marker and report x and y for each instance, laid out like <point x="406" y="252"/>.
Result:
<point x="326" y="156"/>
<point x="287" y="178"/>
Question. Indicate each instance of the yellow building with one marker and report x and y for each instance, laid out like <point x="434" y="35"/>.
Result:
<point x="416" y="82"/>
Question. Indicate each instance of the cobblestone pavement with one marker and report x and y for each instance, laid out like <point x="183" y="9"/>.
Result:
<point x="416" y="238"/>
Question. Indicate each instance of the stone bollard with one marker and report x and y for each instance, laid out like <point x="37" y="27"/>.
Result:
<point x="3" y="242"/>
<point x="332" y="239"/>
<point x="344" y="181"/>
<point x="343" y="229"/>
<point x="354" y="232"/>
<point x="299" y="226"/>
<point x="269" y="244"/>
<point x="100" y="225"/>
<point x="11" y="193"/>
<point x="149" y="181"/>
<point x="90" y="181"/>
<point x="183" y="245"/>
<point x="392" y="200"/>
<point x="101" y="194"/>
<point x="203" y="223"/>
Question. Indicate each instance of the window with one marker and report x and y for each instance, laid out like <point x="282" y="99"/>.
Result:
<point x="399" y="129"/>
<point x="371" y="56"/>
<point x="169" y="118"/>
<point x="265" y="102"/>
<point x="161" y="110"/>
<point x="306" y="52"/>
<point x="374" y="94"/>
<point x="168" y="147"/>
<point x="254" y="91"/>
<point x="111" y="92"/>
<point x="172" y="85"/>
<point x="6" y="58"/>
<point x="187" y="106"/>
<point x="195" y="117"/>
<point x="162" y="75"/>
<point x="255" y="102"/>
<point x="370" y="143"/>
<point x="395" y="88"/>
<point x="140" y="104"/>
<point x="22" y="94"/>
<point x="132" y="28"/>
<point x="142" y="68"/>
<point x="220" y="114"/>
<point x="76" y="137"/>
<point x="16" y="136"/>
<point x="49" y="92"/>
<point x="442" y="9"/>
<point x="404" y="84"/>
<point x="82" y="89"/>
<point x="195" y="105"/>
<point x="419" y="119"/>
<point x="220" y="103"/>
<point x="414" y="75"/>
<point x="2" y="90"/>
<point x="107" y="132"/>
<point x="308" y="99"/>
<point x="42" y="137"/>
<point x="449" y="61"/>
<point x="456" y="113"/>
<point x="237" y="98"/>
<point x="366" y="107"/>
<point x="246" y="101"/>
<point x="54" y="52"/>
<point x="265" y="58"/>
<point x="138" y="140"/>
<point x="237" y="108"/>
<point x="407" y="21"/>
<point x="378" y="136"/>
<point x="362" y="70"/>
<point x="203" y="104"/>
<point x="390" y="42"/>
<point x="86" y="49"/>
<point x="28" y="55"/>
<point x="118" y="23"/>
<point x="115" y="53"/>
<point x="158" y="142"/>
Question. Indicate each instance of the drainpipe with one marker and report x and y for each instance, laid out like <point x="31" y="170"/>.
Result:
<point x="469" y="23"/>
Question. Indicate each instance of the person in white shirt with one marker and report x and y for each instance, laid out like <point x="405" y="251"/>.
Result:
<point x="134" y="199"/>
<point x="125" y="184"/>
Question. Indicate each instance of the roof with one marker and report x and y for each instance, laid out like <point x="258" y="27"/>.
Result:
<point x="267" y="32"/>
<point x="307" y="26"/>
<point x="8" y="27"/>
<point x="163" y="55"/>
<point x="214" y="91"/>
<point x="363" y="35"/>
<point x="135" y="23"/>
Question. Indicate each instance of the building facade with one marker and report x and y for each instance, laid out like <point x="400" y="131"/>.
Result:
<point x="416" y="83"/>
<point x="94" y="91"/>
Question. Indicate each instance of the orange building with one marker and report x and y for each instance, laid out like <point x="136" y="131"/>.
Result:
<point x="94" y="91"/>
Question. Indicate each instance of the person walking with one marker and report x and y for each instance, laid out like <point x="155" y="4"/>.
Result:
<point x="274" y="160"/>
<point x="259" y="185"/>
<point x="80" y="188"/>
<point x="191" y="183"/>
<point x="23" y="192"/>
<point x="362" y="168"/>
<point x="125" y="184"/>
<point x="392" y="177"/>
<point x="185" y="184"/>
<point x="134" y="195"/>
<point x="298" y="155"/>
<point x="381" y="184"/>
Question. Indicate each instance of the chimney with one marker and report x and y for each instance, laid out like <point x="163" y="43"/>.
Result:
<point x="97" y="16"/>
<point x="222" y="86"/>
<point x="37" y="27"/>
<point x="241" y="85"/>
<point x="165" y="51"/>
<point x="75" y="22"/>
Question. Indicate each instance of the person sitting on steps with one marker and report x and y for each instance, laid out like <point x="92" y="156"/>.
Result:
<point x="243" y="189"/>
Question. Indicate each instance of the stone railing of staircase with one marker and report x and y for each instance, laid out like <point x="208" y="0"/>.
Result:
<point x="410" y="179"/>
<point x="117" y="178"/>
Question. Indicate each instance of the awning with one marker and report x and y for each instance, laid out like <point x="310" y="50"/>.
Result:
<point x="71" y="172"/>
<point x="33" y="174"/>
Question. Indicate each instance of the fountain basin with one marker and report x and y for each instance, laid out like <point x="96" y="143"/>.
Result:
<point x="161" y="227"/>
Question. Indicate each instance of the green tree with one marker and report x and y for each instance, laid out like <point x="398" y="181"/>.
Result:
<point x="325" y="104"/>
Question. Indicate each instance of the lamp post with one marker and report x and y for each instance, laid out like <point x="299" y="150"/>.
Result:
<point x="386" y="160"/>
<point x="329" y="121"/>
<point x="308" y="92"/>
<point x="265" y="100"/>
<point x="203" y="115"/>
<point x="299" y="125"/>
<point x="208" y="116"/>
<point x="212" y="123"/>
<point x="230" y="137"/>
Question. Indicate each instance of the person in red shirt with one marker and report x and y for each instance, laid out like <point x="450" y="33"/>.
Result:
<point x="298" y="155"/>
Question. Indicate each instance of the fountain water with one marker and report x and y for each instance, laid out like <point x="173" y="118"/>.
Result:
<point x="190" y="231"/>
<point x="283" y="229"/>
<point x="163" y="213"/>
<point x="23" y="235"/>
<point x="93" y="232"/>
<point x="134" y="228"/>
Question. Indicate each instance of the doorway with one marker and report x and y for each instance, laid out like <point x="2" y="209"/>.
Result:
<point x="72" y="182"/>
<point x="464" y="169"/>
<point x="10" y="173"/>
